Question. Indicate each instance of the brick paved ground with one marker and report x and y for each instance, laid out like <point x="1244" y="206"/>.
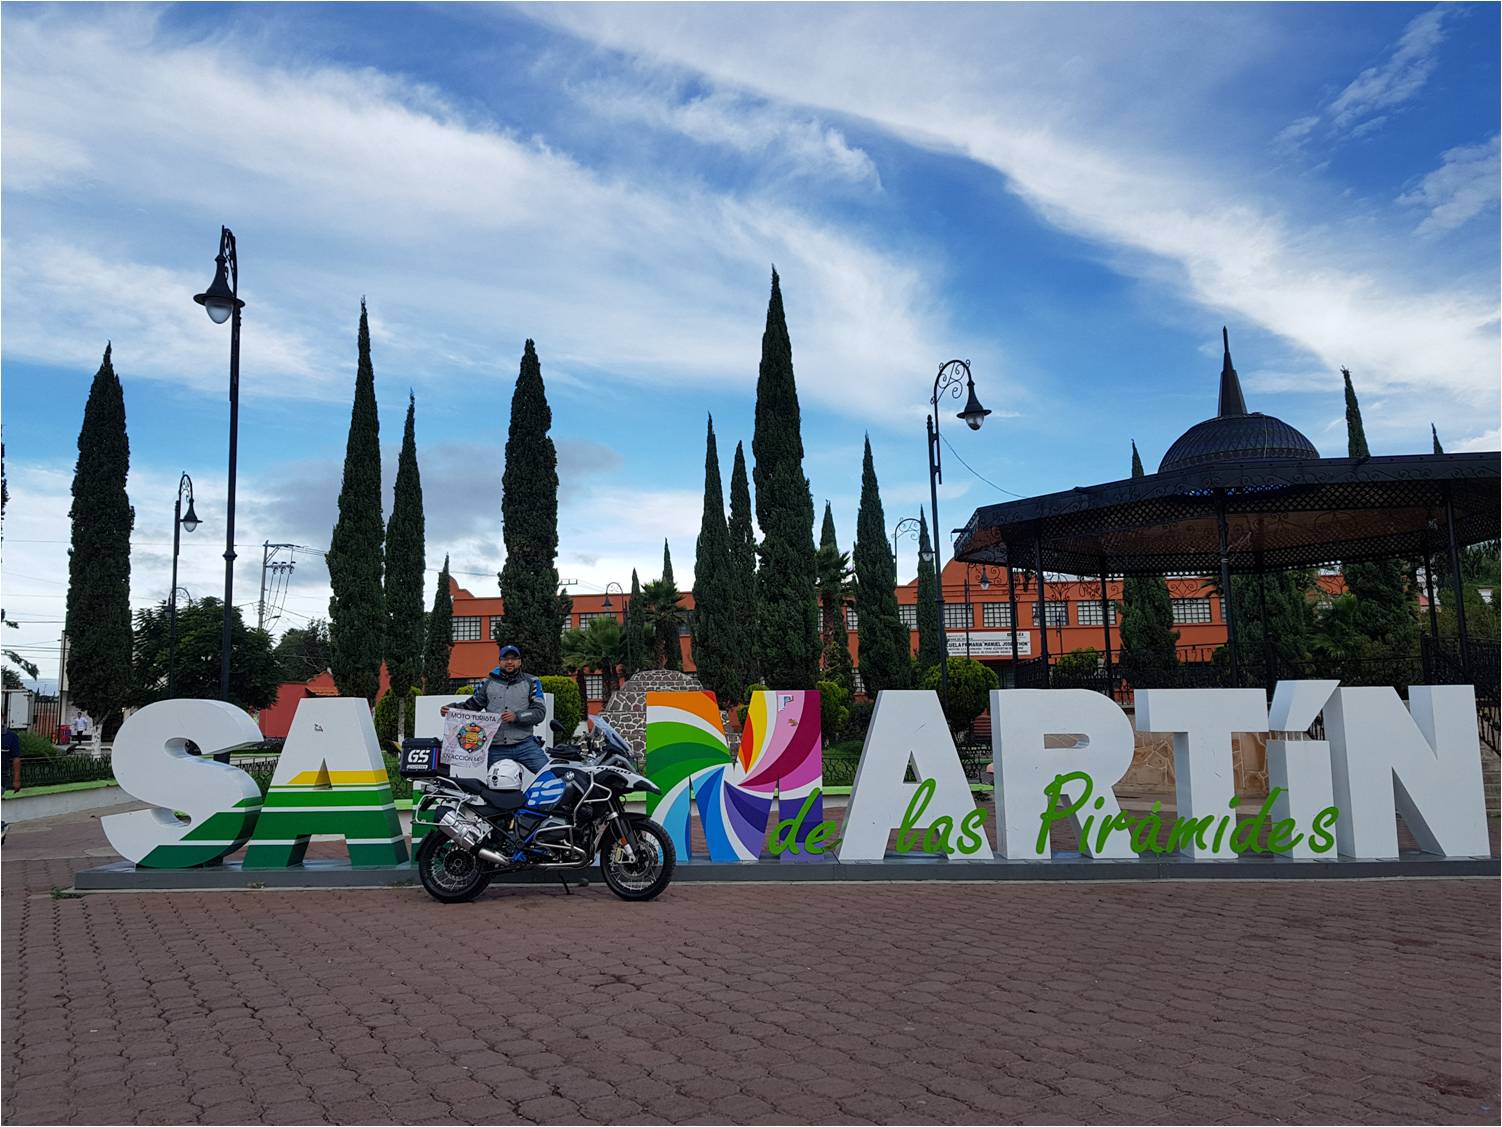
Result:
<point x="1372" y="1002"/>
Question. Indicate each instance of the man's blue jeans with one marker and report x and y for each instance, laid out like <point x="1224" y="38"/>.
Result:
<point x="528" y="752"/>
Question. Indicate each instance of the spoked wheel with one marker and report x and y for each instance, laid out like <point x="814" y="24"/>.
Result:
<point x="450" y="874"/>
<point x="648" y="871"/>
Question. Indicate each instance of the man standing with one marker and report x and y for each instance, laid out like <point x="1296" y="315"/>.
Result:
<point x="518" y="698"/>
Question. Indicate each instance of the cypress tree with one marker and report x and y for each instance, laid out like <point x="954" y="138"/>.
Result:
<point x="787" y="609"/>
<point x="1148" y="657"/>
<point x="1438" y="449"/>
<point x="1385" y="615"/>
<point x="742" y="577"/>
<point x="406" y="564"/>
<point x="635" y="646"/>
<point x="667" y="563"/>
<point x="440" y="637"/>
<point x="535" y="612"/>
<point x="98" y="620"/>
<point x="885" y="663"/>
<point x="1356" y="446"/>
<point x="357" y="613"/>
<point x="931" y="643"/>
<point x="714" y="626"/>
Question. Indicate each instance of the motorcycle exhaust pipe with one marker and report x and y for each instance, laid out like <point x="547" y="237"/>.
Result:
<point x="492" y="857"/>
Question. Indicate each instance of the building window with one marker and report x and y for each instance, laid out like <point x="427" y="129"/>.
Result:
<point x="586" y="617"/>
<point x="1191" y="610"/>
<point x="958" y="616"/>
<point x="860" y="686"/>
<point x="1058" y="613"/>
<point x="1090" y="613"/>
<point x="908" y="612"/>
<point x="996" y="614"/>
<point x="466" y="629"/>
<point x="852" y="621"/>
<point x="594" y="686"/>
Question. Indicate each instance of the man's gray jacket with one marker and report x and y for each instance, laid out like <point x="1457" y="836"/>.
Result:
<point x="521" y="694"/>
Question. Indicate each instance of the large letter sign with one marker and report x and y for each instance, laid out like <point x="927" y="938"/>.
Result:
<point x="1083" y="773"/>
<point x="1202" y="722"/>
<point x="1423" y="762"/>
<point x="1298" y="771"/>
<point x="330" y="779"/>
<point x="780" y="756"/>
<point x="908" y="726"/>
<point x="151" y="763"/>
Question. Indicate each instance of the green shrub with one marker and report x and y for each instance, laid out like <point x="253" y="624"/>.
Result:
<point x="1077" y="667"/>
<point x="845" y="749"/>
<point x="568" y="707"/>
<point x="970" y="685"/>
<point x="34" y="745"/>
<point x="385" y="721"/>
<point x="834" y="708"/>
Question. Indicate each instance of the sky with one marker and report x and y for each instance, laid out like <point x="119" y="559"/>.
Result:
<point x="1075" y="198"/>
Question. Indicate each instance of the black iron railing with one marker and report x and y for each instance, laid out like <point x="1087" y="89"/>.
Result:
<point x="45" y="771"/>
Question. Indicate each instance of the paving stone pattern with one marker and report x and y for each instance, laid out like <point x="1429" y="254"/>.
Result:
<point x="1366" y="1002"/>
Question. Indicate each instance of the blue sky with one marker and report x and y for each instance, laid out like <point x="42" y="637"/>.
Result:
<point x="1073" y="197"/>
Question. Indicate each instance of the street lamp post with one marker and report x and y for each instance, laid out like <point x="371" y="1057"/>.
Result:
<point x="221" y="301"/>
<point x="947" y="383"/>
<point x="625" y="606"/>
<point x="180" y="521"/>
<point x="906" y="527"/>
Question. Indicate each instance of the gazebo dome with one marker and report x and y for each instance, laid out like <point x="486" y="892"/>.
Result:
<point x="1234" y="433"/>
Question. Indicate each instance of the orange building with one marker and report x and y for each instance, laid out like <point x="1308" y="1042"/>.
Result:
<point x="977" y="618"/>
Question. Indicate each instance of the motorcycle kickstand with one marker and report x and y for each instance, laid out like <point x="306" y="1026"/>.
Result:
<point x="564" y="881"/>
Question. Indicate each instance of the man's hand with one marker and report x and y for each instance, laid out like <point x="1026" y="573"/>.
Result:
<point x="508" y="716"/>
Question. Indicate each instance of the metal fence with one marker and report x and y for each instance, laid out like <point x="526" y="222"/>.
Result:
<point x="51" y="771"/>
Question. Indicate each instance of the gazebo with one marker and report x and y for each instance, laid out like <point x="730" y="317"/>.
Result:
<point x="1243" y="493"/>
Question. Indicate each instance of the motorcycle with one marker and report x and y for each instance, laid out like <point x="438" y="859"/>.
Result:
<point x="571" y="813"/>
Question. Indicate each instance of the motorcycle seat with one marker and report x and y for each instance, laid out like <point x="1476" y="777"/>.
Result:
<point x="499" y="800"/>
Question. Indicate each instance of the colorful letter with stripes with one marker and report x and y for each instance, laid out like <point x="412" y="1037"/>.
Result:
<point x="151" y="763"/>
<point x="330" y="779"/>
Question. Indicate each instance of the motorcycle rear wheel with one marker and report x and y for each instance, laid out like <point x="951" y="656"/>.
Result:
<point x="449" y="873"/>
<point x="652" y="870"/>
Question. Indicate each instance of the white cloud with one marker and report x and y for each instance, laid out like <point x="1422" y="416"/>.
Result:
<point x="464" y="237"/>
<point x="1397" y="78"/>
<point x="798" y="144"/>
<point x="1463" y="186"/>
<point x="1162" y="214"/>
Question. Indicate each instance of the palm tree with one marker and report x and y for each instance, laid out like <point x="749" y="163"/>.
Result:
<point x="662" y="617"/>
<point x="597" y="646"/>
<point x="835" y="586"/>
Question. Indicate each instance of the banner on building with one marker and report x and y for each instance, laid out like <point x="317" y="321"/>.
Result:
<point x="989" y="643"/>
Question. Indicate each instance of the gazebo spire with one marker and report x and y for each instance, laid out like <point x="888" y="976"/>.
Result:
<point x="1231" y="401"/>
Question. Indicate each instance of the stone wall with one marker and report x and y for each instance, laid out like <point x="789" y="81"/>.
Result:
<point x="627" y="710"/>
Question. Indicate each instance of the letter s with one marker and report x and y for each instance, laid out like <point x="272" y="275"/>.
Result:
<point x="152" y="764"/>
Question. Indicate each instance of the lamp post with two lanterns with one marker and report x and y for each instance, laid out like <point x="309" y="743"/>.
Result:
<point x="947" y="383"/>
<point x="221" y="301"/>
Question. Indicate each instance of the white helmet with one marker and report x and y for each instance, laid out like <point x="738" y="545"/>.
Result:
<point x="506" y="775"/>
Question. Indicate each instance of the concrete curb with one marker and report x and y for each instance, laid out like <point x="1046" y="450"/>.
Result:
<point x="125" y="877"/>
<point x="25" y="807"/>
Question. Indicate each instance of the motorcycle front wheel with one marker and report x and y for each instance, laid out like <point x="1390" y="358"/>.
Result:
<point x="649" y="872"/>
<point x="449" y="873"/>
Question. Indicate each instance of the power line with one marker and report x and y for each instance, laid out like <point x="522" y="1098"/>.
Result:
<point x="973" y="470"/>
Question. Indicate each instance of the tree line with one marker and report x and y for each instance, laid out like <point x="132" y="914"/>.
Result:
<point x="768" y="610"/>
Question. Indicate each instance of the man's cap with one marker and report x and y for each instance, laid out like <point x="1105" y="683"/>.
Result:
<point x="508" y="651"/>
